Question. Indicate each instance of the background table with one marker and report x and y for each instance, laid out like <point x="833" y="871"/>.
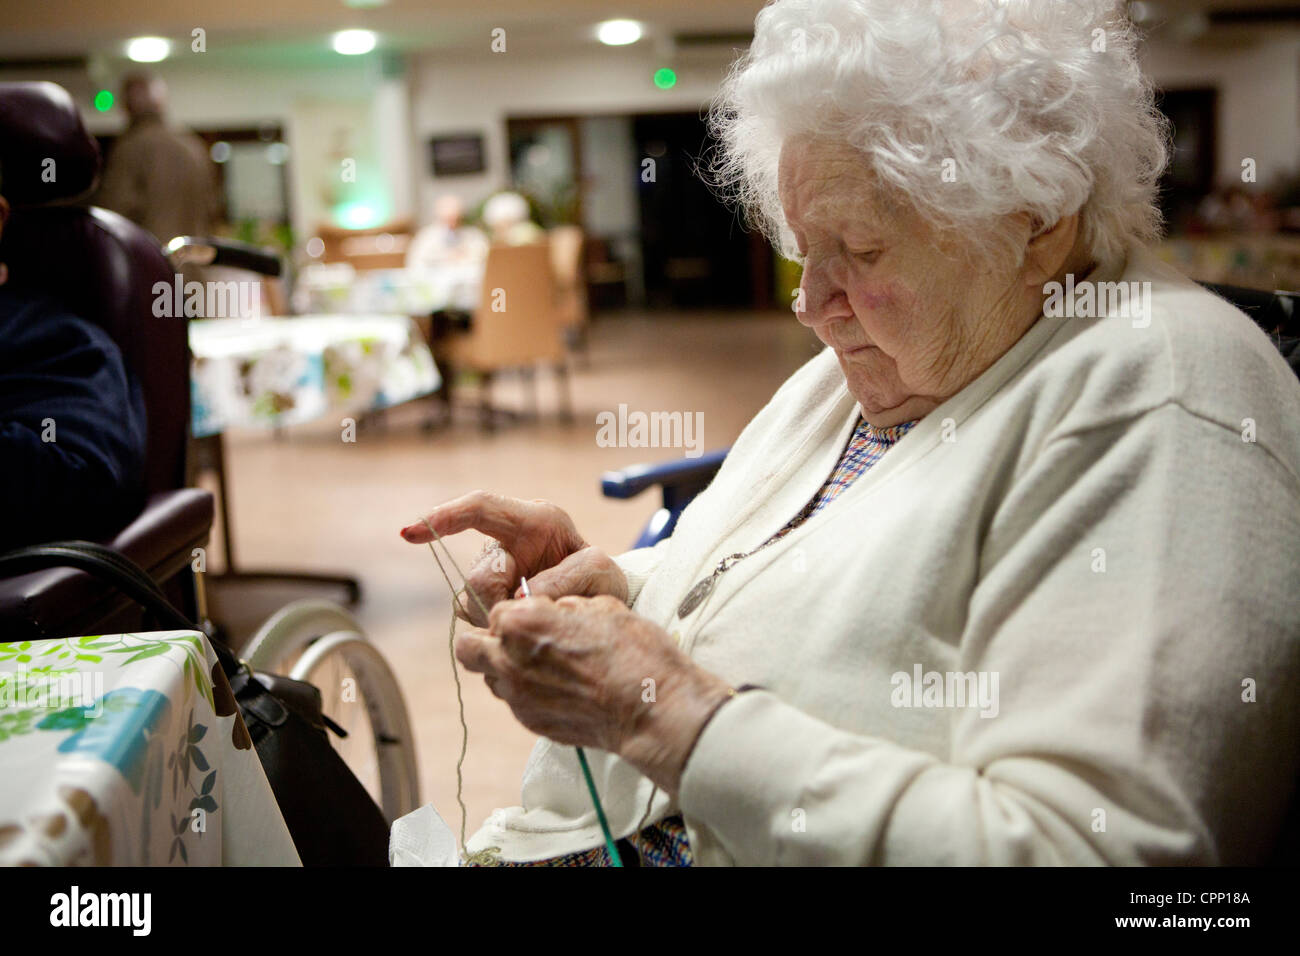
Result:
<point x="339" y="288"/>
<point x="128" y="750"/>
<point x="275" y="372"/>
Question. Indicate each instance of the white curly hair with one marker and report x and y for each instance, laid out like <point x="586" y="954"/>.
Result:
<point x="1038" y="107"/>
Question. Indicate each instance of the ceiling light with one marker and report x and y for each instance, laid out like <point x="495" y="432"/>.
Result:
<point x="354" y="42"/>
<point x="618" y="32"/>
<point x="148" y="49"/>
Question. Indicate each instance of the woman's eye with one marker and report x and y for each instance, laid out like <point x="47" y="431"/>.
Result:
<point x="867" y="255"/>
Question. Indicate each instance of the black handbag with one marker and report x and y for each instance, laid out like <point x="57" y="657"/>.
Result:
<point x="332" y="818"/>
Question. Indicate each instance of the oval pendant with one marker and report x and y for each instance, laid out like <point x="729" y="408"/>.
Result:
<point x="695" y="595"/>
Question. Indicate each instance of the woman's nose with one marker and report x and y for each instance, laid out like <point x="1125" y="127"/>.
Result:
<point x="819" y="299"/>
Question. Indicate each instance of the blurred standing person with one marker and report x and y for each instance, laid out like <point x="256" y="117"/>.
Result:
<point x="159" y="178"/>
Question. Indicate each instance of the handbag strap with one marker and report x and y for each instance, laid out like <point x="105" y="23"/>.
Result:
<point x="116" y="570"/>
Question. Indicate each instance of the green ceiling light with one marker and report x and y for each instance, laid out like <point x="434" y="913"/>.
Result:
<point x="665" y="78"/>
<point x="104" y="101"/>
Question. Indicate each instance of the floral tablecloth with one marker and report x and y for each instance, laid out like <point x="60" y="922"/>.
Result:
<point x="128" y="750"/>
<point x="340" y="288"/>
<point x="274" y="372"/>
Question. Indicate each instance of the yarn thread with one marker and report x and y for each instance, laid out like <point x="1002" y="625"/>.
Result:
<point x="488" y="855"/>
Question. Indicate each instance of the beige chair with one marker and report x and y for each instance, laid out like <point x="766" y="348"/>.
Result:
<point x="571" y="283"/>
<point x="517" y="325"/>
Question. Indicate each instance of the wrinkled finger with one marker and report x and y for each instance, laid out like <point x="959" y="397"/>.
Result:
<point x="492" y="578"/>
<point x="600" y="604"/>
<point x="493" y="514"/>
<point x="531" y="616"/>
<point x="583" y="572"/>
<point x="467" y="608"/>
<point x="481" y="653"/>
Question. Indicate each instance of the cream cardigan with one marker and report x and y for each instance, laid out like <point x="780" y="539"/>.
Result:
<point x="1083" y="529"/>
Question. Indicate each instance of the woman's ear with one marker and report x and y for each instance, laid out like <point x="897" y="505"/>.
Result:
<point x="1049" y="249"/>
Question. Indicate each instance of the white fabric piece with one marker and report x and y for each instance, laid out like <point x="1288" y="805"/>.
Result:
<point x="422" y="838"/>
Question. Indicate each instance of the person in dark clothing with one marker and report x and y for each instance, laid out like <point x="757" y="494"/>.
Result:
<point x="72" y="424"/>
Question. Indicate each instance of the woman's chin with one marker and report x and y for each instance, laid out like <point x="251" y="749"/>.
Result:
<point x="886" y="411"/>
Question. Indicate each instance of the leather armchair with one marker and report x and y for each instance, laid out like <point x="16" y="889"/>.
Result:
<point x="101" y="267"/>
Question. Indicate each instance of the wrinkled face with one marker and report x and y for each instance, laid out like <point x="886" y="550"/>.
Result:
<point x="910" y="323"/>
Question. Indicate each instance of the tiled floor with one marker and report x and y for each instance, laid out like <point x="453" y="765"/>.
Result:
<point x="311" y="501"/>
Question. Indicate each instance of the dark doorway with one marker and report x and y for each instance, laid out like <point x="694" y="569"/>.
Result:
<point x="1190" y="174"/>
<point x="696" y="253"/>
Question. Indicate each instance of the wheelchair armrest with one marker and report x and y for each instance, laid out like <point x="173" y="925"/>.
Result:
<point x="1275" y="312"/>
<point x="681" y="481"/>
<point x="63" y="601"/>
<point x="210" y="251"/>
<point x="674" y="476"/>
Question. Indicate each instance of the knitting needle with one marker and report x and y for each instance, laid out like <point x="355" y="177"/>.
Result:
<point x="615" y="859"/>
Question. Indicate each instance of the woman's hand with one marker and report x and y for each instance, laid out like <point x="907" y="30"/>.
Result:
<point x="589" y="672"/>
<point x="534" y="539"/>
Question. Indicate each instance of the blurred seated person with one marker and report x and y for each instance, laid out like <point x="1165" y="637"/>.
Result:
<point x="72" y="423"/>
<point x="507" y="218"/>
<point x="447" y="238"/>
<point x="158" y="177"/>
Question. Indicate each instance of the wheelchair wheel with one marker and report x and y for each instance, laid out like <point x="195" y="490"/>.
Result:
<point x="285" y="635"/>
<point x="361" y="695"/>
<point x="322" y="644"/>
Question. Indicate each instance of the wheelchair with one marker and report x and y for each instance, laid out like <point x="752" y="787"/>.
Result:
<point x="105" y="272"/>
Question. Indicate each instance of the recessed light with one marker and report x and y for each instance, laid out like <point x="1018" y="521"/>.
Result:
<point x="618" y="32"/>
<point x="148" y="49"/>
<point x="354" y="42"/>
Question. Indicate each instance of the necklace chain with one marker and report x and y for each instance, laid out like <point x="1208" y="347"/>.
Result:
<point x="705" y="585"/>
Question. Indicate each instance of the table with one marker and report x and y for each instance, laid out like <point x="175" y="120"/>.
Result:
<point x="128" y="750"/>
<point x="338" y="288"/>
<point x="275" y="372"/>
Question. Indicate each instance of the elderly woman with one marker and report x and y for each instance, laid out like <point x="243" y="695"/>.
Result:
<point x="996" y="577"/>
